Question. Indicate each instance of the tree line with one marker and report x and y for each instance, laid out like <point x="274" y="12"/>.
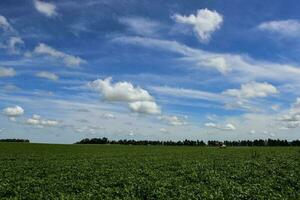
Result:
<point x="260" y="142"/>
<point x="15" y="140"/>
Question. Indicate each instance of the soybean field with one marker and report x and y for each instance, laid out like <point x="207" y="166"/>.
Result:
<point x="48" y="171"/>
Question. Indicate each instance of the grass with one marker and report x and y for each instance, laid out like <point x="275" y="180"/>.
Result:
<point x="44" y="171"/>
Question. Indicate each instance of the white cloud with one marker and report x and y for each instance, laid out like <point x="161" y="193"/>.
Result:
<point x="34" y="116"/>
<point x="163" y="130"/>
<point x="7" y="72"/>
<point x="147" y="107"/>
<point x="188" y="93"/>
<point x="13" y="44"/>
<point x="217" y="62"/>
<point x="13" y="119"/>
<point x="210" y="124"/>
<point x="226" y="127"/>
<point x="252" y="90"/>
<point x="173" y="120"/>
<point x="240" y="68"/>
<point x="47" y="9"/>
<point x="4" y="24"/>
<point x="213" y="98"/>
<point x="131" y="133"/>
<point x="89" y="129"/>
<point x="269" y="134"/>
<point x="120" y="91"/>
<point x="69" y="60"/>
<point x="275" y="107"/>
<point x="141" y="26"/>
<point x="10" y="39"/>
<point x="286" y="28"/>
<point x="32" y="121"/>
<point x="13" y="111"/>
<point x="9" y="88"/>
<point x="108" y="116"/>
<point x="47" y="75"/>
<point x="37" y="120"/>
<point x="229" y="127"/>
<point x="48" y="122"/>
<point x="291" y="119"/>
<point x="204" y="23"/>
<point x="139" y="100"/>
<point x="199" y="57"/>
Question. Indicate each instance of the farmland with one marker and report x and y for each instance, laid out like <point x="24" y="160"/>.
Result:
<point x="45" y="171"/>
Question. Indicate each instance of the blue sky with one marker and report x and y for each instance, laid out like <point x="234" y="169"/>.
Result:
<point x="149" y="70"/>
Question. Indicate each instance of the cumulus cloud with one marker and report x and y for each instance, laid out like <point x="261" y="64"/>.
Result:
<point x="173" y="120"/>
<point x="40" y="122"/>
<point x="32" y="121"/>
<point x="147" y="107"/>
<point x="120" y="91"/>
<point x="47" y="75"/>
<point x="252" y="90"/>
<point x="204" y="23"/>
<point x="226" y="127"/>
<point x="47" y="9"/>
<point x="7" y="72"/>
<point x="285" y="28"/>
<point x="141" y="26"/>
<point x="68" y="60"/>
<point x="139" y="100"/>
<point x="15" y="111"/>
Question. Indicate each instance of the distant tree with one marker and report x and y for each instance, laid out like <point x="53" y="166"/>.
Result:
<point x="15" y="140"/>
<point x="186" y="142"/>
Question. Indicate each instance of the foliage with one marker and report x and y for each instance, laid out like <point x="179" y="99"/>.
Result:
<point x="41" y="171"/>
<point x="14" y="140"/>
<point x="269" y="142"/>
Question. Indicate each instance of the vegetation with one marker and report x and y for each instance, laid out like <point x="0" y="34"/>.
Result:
<point x="40" y="171"/>
<point x="14" y="140"/>
<point x="268" y="142"/>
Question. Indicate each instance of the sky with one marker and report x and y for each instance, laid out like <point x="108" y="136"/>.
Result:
<point x="149" y="70"/>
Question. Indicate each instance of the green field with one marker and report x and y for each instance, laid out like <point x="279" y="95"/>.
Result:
<point x="40" y="171"/>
